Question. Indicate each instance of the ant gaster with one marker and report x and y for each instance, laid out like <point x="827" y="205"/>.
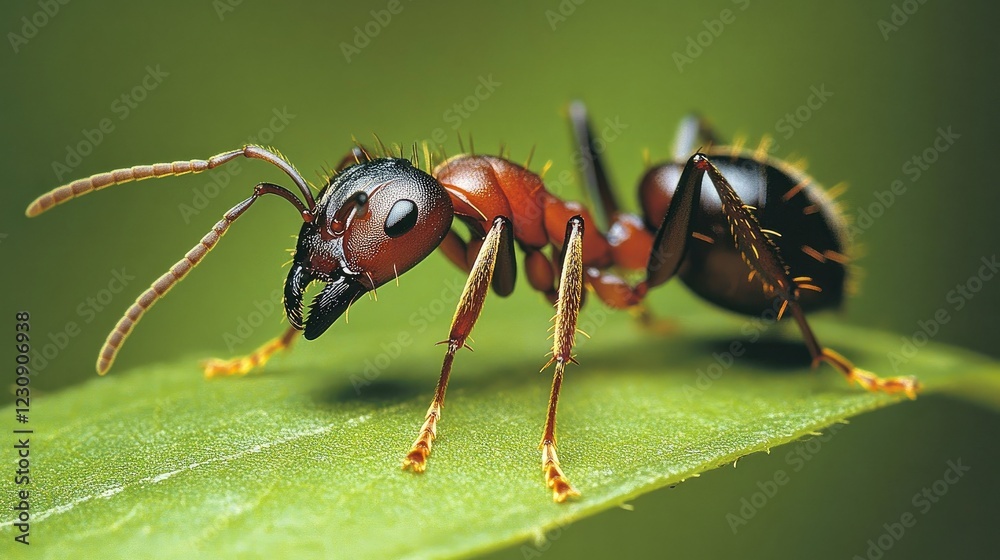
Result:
<point x="377" y="217"/>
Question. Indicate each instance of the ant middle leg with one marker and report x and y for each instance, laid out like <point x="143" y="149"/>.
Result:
<point x="632" y="241"/>
<point x="567" y="312"/>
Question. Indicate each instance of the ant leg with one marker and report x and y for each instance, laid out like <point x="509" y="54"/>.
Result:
<point x="907" y="384"/>
<point x="693" y="128"/>
<point x="164" y="283"/>
<point x="505" y="267"/>
<point x="355" y="156"/>
<point x="591" y="165"/>
<point x="463" y="255"/>
<point x="242" y="365"/>
<point x="567" y="312"/>
<point x="762" y="256"/>
<point x="455" y="248"/>
<point x="499" y="239"/>
<point x="541" y="273"/>
<point x="611" y="289"/>
<point x="673" y="235"/>
<point x="616" y="293"/>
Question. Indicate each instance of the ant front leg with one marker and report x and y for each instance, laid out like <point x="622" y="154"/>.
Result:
<point x="242" y="365"/>
<point x="761" y="256"/>
<point x="496" y="250"/>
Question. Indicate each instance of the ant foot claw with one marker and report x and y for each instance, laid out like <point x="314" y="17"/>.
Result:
<point x="908" y="385"/>
<point x="416" y="459"/>
<point x="215" y="367"/>
<point x="554" y="477"/>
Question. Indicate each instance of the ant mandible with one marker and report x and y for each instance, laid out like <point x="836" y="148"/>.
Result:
<point x="379" y="215"/>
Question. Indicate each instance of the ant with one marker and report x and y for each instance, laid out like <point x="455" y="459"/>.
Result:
<point x="379" y="214"/>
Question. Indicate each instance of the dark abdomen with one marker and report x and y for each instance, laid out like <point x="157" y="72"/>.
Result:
<point x="812" y="240"/>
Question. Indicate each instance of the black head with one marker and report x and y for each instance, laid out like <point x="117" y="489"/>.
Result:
<point x="372" y="222"/>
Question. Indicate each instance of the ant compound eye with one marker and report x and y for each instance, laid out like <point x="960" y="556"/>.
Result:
<point x="401" y="219"/>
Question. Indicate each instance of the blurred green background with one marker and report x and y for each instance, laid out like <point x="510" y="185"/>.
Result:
<point x="218" y="74"/>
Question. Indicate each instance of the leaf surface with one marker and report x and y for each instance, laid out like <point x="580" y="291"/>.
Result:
<point x="305" y="458"/>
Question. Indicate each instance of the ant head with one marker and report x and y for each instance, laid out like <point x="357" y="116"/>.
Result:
<point x="372" y="222"/>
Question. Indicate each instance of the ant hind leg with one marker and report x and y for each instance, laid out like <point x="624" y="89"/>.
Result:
<point x="762" y="256"/>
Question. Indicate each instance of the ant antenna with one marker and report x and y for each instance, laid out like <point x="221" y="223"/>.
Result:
<point x="164" y="283"/>
<point x="100" y="181"/>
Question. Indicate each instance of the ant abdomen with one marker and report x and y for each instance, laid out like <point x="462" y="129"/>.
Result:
<point x="793" y="211"/>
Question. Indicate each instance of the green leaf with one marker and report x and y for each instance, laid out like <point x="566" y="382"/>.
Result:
<point x="305" y="458"/>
